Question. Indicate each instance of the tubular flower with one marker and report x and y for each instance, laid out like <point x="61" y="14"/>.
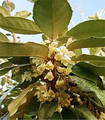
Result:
<point x="58" y="56"/>
<point x="49" y="66"/>
<point x="61" y="69"/>
<point x="60" y="84"/>
<point x="67" y="71"/>
<point x="70" y="53"/>
<point x="65" y="61"/>
<point x="49" y="76"/>
<point x="41" y="68"/>
<point x="27" y="76"/>
<point x="64" y="50"/>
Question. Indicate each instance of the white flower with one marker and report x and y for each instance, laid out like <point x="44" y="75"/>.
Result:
<point x="67" y="71"/>
<point x="58" y="56"/>
<point x="65" y="61"/>
<point x="47" y="41"/>
<point x="41" y="68"/>
<point x="69" y="42"/>
<point x="64" y="50"/>
<point x="70" y="53"/>
<point x="60" y="84"/>
<point x="60" y="69"/>
<point x="49" y="66"/>
<point x="49" y="76"/>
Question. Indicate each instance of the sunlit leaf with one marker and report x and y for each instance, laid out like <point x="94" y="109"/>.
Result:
<point x="3" y="11"/>
<point x="52" y="16"/>
<point x="15" y="25"/>
<point x="56" y="116"/>
<point x="91" y="28"/>
<point x="20" y="49"/>
<point x="87" y="43"/>
<point x="23" y="14"/>
<point x="95" y="50"/>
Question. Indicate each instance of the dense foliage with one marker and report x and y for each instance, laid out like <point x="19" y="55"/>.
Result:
<point x="53" y="79"/>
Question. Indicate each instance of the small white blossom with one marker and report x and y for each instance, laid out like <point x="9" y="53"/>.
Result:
<point x="70" y="53"/>
<point x="60" y="69"/>
<point x="69" y="42"/>
<point x="41" y="68"/>
<point x="58" y="56"/>
<point x="49" y="76"/>
<point x="67" y="71"/>
<point x="49" y="66"/>
<point x="64" y="50"/>
<point x="65" y="61"/>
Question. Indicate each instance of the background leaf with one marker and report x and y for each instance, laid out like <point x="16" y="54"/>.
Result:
<point x="23" y="14"/>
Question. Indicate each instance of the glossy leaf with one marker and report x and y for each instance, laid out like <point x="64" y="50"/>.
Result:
<point x="47" y="109"/>
<point x="87" y="86"/>
<point x="95" y="69"/>
<point x="23" y="14"/>
<point x="15" y="25"/>
<point x="52" y="16"/>
<point x="3" y="11"/>
<point x="89" y="58"/>
<point x="19" y="49"/>
<point x="84" y="73"/>
<point x="95" y="50"/>
<point x="3" y="38"/>
<point x="91" y="28"/>
<point x="84" y="113"/>
<point x="87" y="43"/>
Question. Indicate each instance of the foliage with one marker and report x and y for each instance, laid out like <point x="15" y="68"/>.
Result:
<point x="53" y="79"/>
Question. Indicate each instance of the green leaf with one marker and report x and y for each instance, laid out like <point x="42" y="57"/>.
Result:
<point x="19" y="60"/>
<point x="87" y="86"/>
<point x="84" y="113"/>
<point x="5" y="94"/>
<point x="25" y="96"/>
<point x="89" y="58"/>
<point x="3" y="11"/>
<point x="23" y="14"/>
<point x="78" y="52"/>
<point x="56" y="116"/>
<point x="94" y="51"/>
<point x="87" y="43"/>
<point x="62" y="40"/>
<point x="84" y="73"/>
<point x="47" y="109"/>
<point x="52" y="16"/>
<point x="3" y="38"/>
<point x="69" y="114"/>
<point x="5" y="117"/>
<point x="91" y="28"/>
<point x="20" y="49"/>
<point x="32" y="1"/>
<point x="5" y="5"/>
<point x="94" y="69"/>
<point x="15" y="25"/>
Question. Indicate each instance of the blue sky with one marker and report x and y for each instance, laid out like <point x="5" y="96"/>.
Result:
<point x="81" y="10"/>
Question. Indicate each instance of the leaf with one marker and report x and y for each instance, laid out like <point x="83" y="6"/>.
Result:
<point x="5" y="94"/>
<point x="15" y="25"/>
<point x="62" y="40"/>
<point x="87" y="43"/>
<point x="56" y="116"/>
<point x="3" y="11"/>
<point x="78" y="52"/>
<point x="95" y="51"/>
<point x="5" y="5"/>
<point x="20" y="49"/>
<point x="69" y="114"/>
<point x="84" y="113"/>
<point x="94" y="69"/>
<point x="47" y="109"/>
<point x="3" y="38"/>
<point x="19" y="60"/>
<point x="90" y="58"/>
<point x="84" y="73"/>
<point x="32" y="1"/>
<point x="23" y="14"/>
<point x="52" y="16"/>
<point x="87" y="86"/>
<point x="20" y="100"/>
<point x="5" y="117"/>
<point x="91" y="28"/>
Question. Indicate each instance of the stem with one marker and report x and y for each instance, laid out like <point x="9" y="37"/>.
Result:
<point x="0" y="112"/>
<point x="9" y="13"/>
